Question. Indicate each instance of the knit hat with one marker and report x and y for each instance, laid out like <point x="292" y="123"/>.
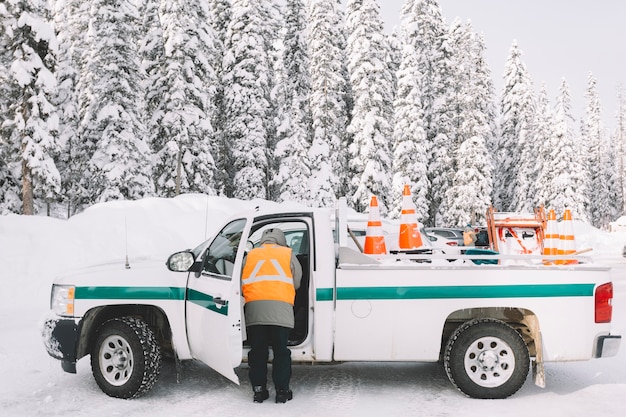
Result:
<point x="274" y="235"/>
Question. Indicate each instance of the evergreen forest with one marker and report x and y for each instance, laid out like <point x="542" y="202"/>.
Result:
<point x="299" y="100"/>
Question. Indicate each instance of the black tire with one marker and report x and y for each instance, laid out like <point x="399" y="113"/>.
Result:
<point x="486" y="358"/>
<point x="125" y="358"/>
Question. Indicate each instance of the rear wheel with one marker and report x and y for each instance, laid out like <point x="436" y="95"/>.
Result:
<point x="487" y="358"/>
<point x="126" y="358"/>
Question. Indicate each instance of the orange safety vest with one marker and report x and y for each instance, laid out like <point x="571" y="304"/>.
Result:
<point x="267" y="274"/>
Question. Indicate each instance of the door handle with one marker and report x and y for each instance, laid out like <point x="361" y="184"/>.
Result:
<point x="218" y="300"/>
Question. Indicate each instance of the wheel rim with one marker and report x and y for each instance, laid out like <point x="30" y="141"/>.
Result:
<point x="116" y="360"/>
<point x="489" y="362"/>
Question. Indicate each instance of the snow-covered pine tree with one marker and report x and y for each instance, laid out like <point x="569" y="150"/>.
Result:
<point x="71" y="18"/>
<point x="113" y="104"/>
<point x="468" y="196"/>
<point x="547" y="141"/>
<point x="471" y="160"/>
<point x="525" y="194"/>
<point x="619" y="139"/>
<point x="341" y="159"/>
<point x="482" y="94"/>
<point x="184" y="160"/>
<point x="32" y="121"/>
<point x="459" y="43"/>
<point x="219" y="18"/>
<point x="372" y="92"/>
<point x="273" y="34"/>
<point x="434" y="57"/>
<point x="247" y="83"/>
<point x="152" y="53"/>
<point x="615" y="191"/>
<point x="328" y="100"/>
<point x="455" y="125"/>
<point x="484" y="99"/>
<point x="600" y="162"/>
<point x="544" y="141"/>
<point x="410" y="145"/>
<point x="9" y="184"/>
<point x="151" y="50"/>
<point x="394" y="57"/>
<point x="516" y="124"/>
<point x="293" y="129"/>
<point x="292" y="151"/>
<point x="295" y="59"/>
<point x="563" y="176"/>
<point x="593" y="135"/>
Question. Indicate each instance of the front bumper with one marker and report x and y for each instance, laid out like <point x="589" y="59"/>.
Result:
<point x="60" y="337"/>
<point x="606" y="346"/>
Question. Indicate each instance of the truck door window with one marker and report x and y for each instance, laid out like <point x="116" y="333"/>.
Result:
<point x="296" y="235"/>
<point x="220" y="255"/>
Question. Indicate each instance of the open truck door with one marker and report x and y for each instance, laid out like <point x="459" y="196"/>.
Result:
<point x="213" y="302"/>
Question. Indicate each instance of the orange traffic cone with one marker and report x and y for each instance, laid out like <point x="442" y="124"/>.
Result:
<point x="410" y="237"/>
<point x="567" y="244"/>
<point x="551" y="239"/>
<point x="374" y="239"/>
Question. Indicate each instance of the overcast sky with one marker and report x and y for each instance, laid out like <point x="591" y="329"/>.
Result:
<point x="558" y="39"/>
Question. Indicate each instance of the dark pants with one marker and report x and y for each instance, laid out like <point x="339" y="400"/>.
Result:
<point x="260" y="338"/>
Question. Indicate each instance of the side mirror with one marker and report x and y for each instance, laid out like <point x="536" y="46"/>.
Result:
<point x="180" y="261"/>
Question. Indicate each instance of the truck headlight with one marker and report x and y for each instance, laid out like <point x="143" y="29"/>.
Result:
<point x="62" y="300"/>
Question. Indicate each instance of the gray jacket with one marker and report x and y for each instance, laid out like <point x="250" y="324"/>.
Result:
<point x="269" y="312"/>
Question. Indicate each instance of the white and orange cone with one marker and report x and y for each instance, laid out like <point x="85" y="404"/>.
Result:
<point x="552" y="237"/>
<point x="410" y="237"/>
<point x="374" y="239"/>
<point x="567" y="243"/>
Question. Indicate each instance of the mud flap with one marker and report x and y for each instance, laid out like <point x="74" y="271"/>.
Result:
<point x="179" y="369"/>
<point x="539" y="372"/>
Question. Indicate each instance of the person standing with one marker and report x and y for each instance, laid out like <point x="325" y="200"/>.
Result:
<point x="469" y="236"/>
<point x="271" y="275"/>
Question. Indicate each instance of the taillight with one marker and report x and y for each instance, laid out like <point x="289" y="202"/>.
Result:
<point x="604" y="308"/>
<point x="451" y="243"/>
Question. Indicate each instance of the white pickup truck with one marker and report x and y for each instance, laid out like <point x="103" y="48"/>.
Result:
<point x="487" y="323"/>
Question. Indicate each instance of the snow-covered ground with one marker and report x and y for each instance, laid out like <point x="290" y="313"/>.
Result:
<point x="35" y="249"/>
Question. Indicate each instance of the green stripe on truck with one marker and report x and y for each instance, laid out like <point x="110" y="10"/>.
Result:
<point x="149" y="293"/>
<point x="130" y="293"/>
<point x="462" y="291"/>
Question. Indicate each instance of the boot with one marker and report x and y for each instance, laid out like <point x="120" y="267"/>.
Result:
<point x="260" y="394"/>
<point x="283" y="395"/>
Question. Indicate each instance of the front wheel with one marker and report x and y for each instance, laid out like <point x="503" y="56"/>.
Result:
<point x="126" y="358"/>
<point x="487" y="358"/>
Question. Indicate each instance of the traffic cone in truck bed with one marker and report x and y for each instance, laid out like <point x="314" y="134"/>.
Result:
<point x="410" y="237"/>
<point x="374" y="239"/>
<point x="551" y="239"/>
<point x="567" y="244"/>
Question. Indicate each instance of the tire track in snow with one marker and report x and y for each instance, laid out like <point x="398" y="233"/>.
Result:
<point x="337" y="389"/>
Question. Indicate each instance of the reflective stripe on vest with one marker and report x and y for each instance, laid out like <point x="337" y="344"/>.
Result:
<point x="267" y="275"/>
